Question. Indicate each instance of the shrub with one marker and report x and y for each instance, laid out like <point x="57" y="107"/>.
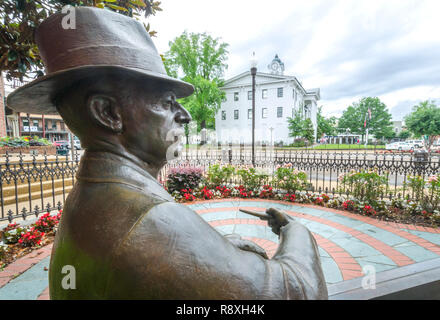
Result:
<point x="206" y="193"/>
<point x="243" y="192"/>
<point x="23" y="141"/>
<point x="369" y="211"/>
<point x="290" y="197"/>
<point x="12" y="233"/>
<point x="3" y="250"/>
<point x="417" y="185"/>
<point x="224" y="191"/>
<point x="251" y="179"/>
<point x="219" y="175"/>
<point x="364" y="185"/>
<point x="31" y="238"/>
<point x="188" y="194"/>
<point x="290" y="179"/>
<point x="433" y="184"/>
<point x="184" y="178"/>
<point x="266" y="192"/>
<point x="46" y="223"/>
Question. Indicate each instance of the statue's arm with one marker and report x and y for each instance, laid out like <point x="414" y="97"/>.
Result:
<point x="180" y="256"/>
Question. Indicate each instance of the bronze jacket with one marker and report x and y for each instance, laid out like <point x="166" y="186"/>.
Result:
<point x="122" y="236"/>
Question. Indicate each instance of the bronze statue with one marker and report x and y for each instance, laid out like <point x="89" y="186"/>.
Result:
<point x="121" y="231"/>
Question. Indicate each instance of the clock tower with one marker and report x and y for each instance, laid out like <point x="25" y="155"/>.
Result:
<point x="276" y="66"/>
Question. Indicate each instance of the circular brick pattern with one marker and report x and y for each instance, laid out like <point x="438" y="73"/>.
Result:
<point x="347" y="242"/>
<point x="351" y="241"/>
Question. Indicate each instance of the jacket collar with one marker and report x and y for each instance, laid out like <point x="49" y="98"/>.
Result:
<point x="106" y="167"/>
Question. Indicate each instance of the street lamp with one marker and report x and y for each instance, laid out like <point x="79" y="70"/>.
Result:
<point x="253" y="73"/>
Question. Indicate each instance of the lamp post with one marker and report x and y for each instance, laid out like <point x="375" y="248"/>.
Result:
<point x="253" y="73"/>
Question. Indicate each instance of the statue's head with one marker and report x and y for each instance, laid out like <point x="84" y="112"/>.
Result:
<point x="120" y="112"/>
<point x="108" y="82"/>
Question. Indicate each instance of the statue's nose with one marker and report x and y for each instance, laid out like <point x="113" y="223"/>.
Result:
<point x="182" y="115"/>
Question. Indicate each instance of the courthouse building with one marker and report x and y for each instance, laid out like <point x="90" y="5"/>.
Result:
<point x="277" y="96"/>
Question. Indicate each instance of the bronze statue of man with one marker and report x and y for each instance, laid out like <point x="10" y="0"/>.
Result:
<point x="121" y="232"/>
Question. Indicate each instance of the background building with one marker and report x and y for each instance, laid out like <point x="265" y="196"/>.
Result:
<point x="276" y="97"/>
<point x="16" y="124"/>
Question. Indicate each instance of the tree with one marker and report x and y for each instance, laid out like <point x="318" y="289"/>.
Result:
<point x="201" y="61"/>
<point x="379" y="125"/>
<point x="326" y="126"/>
<point x="300" y="127"/>
<point x="19" y="56"/>
<point x="404" y="134"/>
<point x="308" y="131"/>
<point x="424" y="121"/>
<point x="295" y="124"/>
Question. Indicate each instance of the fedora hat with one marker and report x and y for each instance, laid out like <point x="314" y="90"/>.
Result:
<point x="103" y="43"/>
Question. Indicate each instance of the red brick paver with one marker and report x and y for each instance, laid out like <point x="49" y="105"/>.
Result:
<point x="21" y="265"/>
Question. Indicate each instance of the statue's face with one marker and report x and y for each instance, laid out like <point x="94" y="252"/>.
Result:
<point x="153" y="127"/>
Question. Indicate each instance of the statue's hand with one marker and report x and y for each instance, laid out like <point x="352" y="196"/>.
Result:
<point x="246" y="245"/>
<point x="277" y="219"/>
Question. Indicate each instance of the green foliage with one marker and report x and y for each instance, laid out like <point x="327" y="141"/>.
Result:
<point x="290" y="179"/>
<point x="326" y="126"/>
<point x="404" y="134"/>
<point x="201" y="59"/>
<point x="219" y="175"/>
<point x="251" y="179"/>
<point x="12" y="233"/>
<point x="19" y="55"/>
<point x="300" y="127"/>
<point x="380" y="124"/>
<point x="184" y="178"/>
<point x="308" y="131"/>
<point x="424" y="120"/>
<point x="23" y="141"/>
<point x="364" y="185"/>
<point x="416" y="185"/>
<point x="295" y="124"/>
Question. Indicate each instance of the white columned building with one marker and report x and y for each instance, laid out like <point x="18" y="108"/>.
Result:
<point x="277" y="96"/>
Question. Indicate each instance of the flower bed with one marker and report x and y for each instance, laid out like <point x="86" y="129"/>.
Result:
<point x="360" y="193"/>
<point x="18" y="241"/>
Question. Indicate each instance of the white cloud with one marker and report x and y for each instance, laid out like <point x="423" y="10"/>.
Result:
<point x="348" y="48"/>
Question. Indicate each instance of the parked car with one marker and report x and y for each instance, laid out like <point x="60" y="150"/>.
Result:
<point x="392" y="146"/>
<point x="61" y="143"/>
<point x="76" y="144"/>
<point x="406" y="146"/>
<point x="417" y="143"/>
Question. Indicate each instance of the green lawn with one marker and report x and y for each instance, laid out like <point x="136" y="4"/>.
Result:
<point x="348" y="146"/>
<point x="339" y="147"/>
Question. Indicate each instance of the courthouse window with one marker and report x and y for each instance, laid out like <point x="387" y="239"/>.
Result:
<point x="249" y="95"/>
<point x="279" y="112"/>
<point x="264" y="93"/>
<point x="280" y="92"/>
<point x="223" y="115"/>
<point x="235" y="114"/>
<point x="235" y="96"/>
<point x="264" y="113"/>
<point x="249" y="113"/>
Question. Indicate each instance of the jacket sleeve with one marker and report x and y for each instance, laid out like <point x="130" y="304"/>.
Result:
<point x="172" y="253"/>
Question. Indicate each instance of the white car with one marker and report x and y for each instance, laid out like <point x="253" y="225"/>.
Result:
<point x="392" y="146"/>
<point x="417" y="143"/>
<point x="406" y="146"/>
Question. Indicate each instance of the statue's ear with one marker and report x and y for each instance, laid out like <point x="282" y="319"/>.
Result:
<point x="104" y="111"/>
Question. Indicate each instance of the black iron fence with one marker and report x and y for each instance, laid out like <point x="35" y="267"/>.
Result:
<point x="323" y="168"/>
<point x="34" y="184"/>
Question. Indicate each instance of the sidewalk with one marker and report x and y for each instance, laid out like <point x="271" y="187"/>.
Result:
<point x="348" y="243"/>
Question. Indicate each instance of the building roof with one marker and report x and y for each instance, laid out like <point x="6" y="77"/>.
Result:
<point x="269" y="78"/>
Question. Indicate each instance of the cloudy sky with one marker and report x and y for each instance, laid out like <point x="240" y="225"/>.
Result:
<point x="348" y="48"/>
